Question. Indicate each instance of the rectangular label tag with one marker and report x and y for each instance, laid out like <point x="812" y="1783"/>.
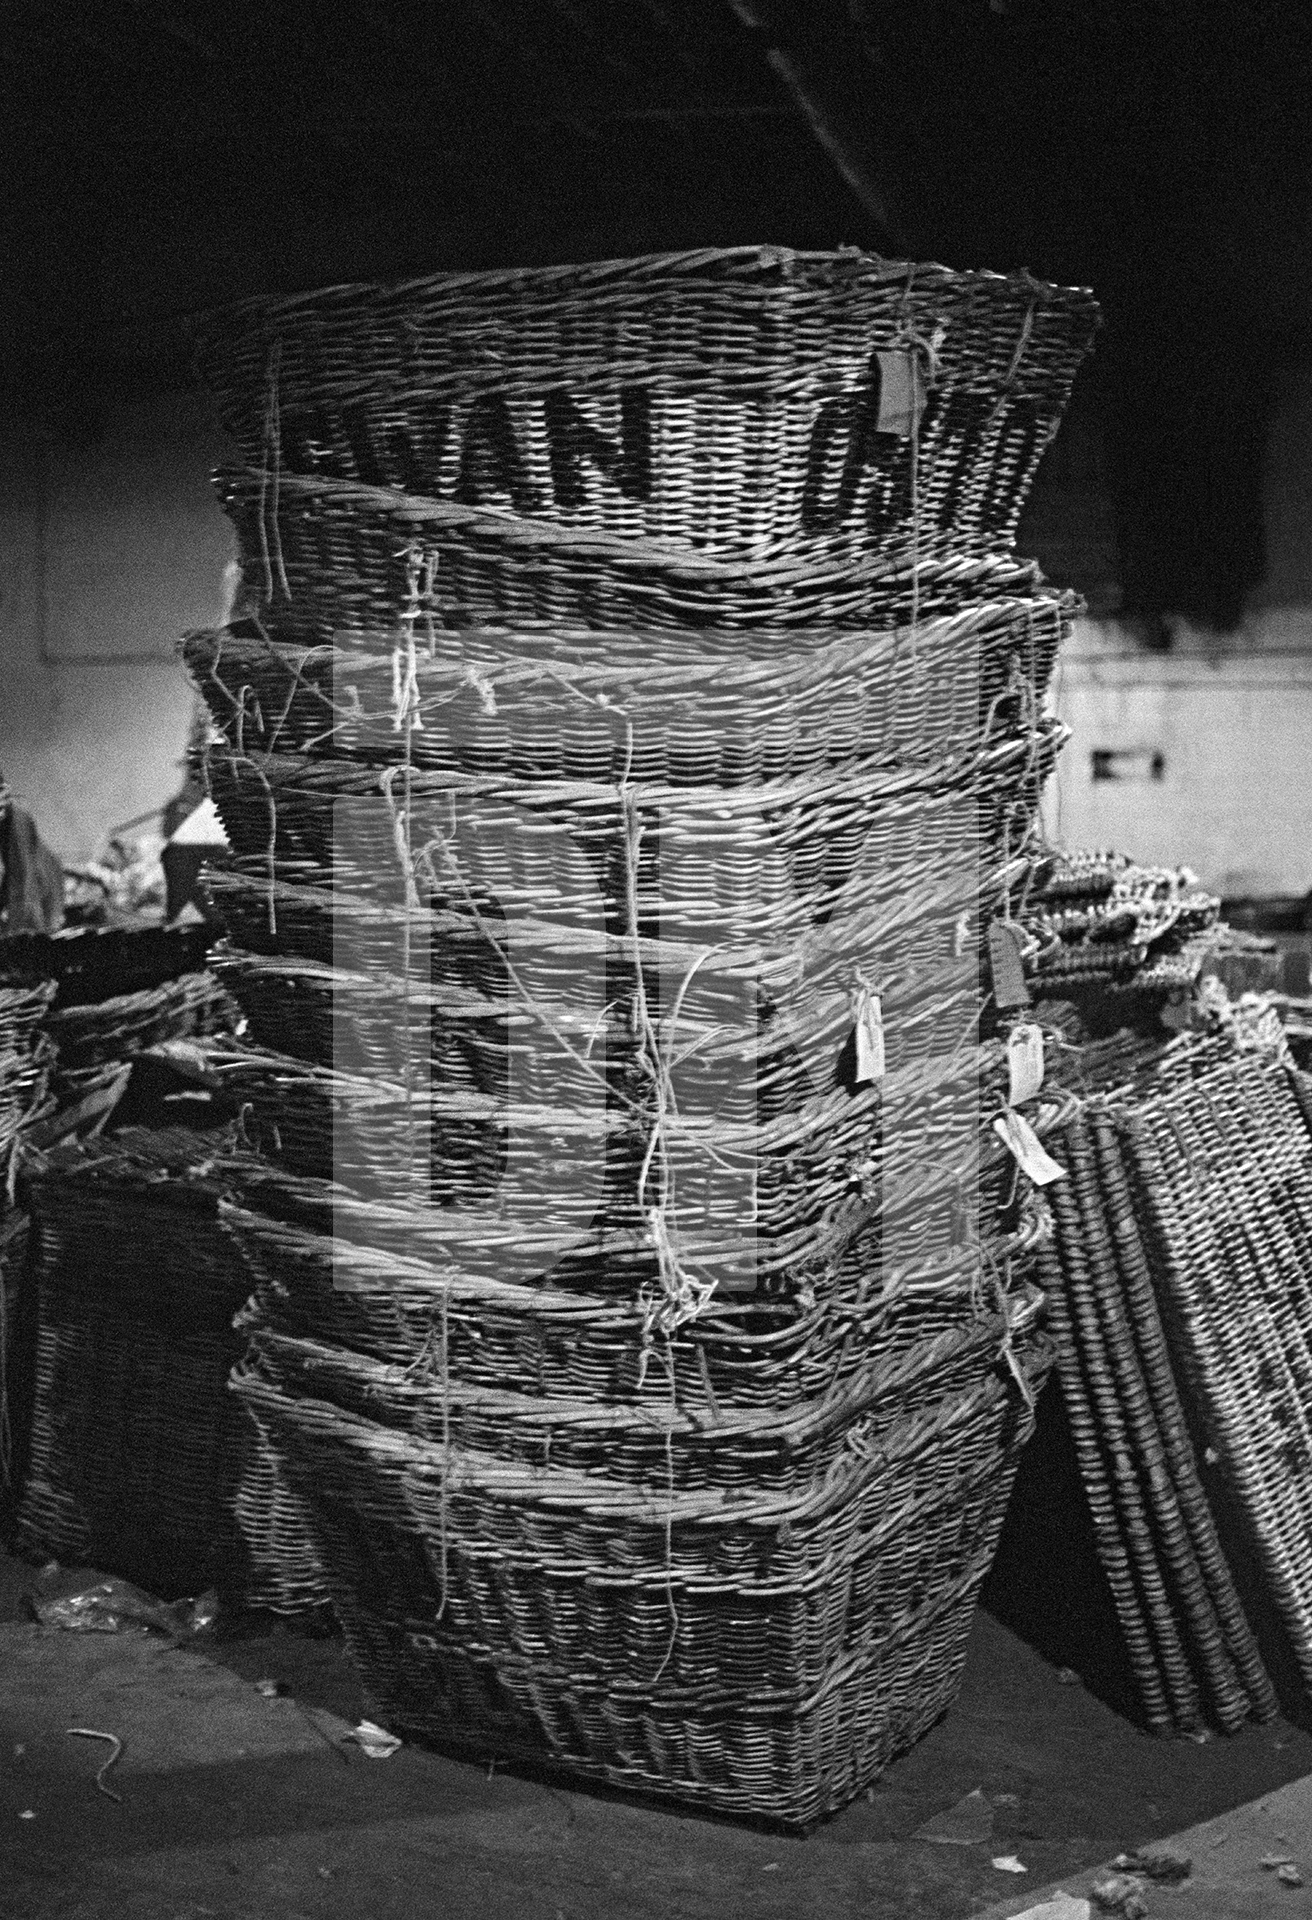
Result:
<point x="869" y="1040"/>
<point x="902" y="395"/>
<point x="1032" y="1157"/>
<point x="1024" y="1062"/>
<point x="1009" y="989"/>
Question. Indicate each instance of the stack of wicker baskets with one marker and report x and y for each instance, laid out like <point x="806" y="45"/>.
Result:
<point x="632" y="716"/>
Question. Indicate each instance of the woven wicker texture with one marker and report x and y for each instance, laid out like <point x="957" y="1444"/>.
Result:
<point x="1101" y="923"/>
<point x="559" y="1192"/>
<point x="23" y="1064"/>
<point x="352" y="562"/>
<point x="625" y="1632"/>
<point x="394" y="1283"/>
<point x="1195" y="1146"/>
<point x="1222" y="1172"/>
<point x="1189" y="1644"/>
<point x="710" y="708"/>
<point x="747" y="403"/>
<point x="632" y="716"/>
<point x="140" y="1460"/>
<point x="803" y="889"/>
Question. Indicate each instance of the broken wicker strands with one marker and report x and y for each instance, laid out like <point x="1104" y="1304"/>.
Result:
<point x="1183" y="1317"/>
<point x="631" y="708"/>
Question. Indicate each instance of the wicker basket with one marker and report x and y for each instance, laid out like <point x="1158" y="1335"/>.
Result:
<point x="1220" y="1167"/>
<point x="632" y="715"/>
<point x="709" y="1646"/>
<point x="366" y="563"/>
<point x="403" y="1284"/>
<point x="549" y="1049"/>
<point x="24" y="1062"/>
<point x="90" y="964"/>
<point x="815" y="1175"/>
<point x="722" y="709"/>
<point x="138" y="1454"/>
<point x="706" y="865"/>
<point x="648" y="1443"/>
<point x="750" y="403"/>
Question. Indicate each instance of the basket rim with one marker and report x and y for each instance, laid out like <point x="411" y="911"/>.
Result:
<point x="755" y="267"/>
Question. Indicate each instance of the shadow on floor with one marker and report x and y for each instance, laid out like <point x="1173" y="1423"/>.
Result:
<point x="1046" y="1584"/>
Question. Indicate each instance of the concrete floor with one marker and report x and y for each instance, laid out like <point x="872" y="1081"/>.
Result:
<point x="255" y="1808"/>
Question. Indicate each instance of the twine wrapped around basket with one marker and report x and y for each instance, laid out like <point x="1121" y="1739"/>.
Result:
<point x="750" y="1206"/>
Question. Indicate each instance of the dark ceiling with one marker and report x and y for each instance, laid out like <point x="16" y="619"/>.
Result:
<point x="162" y="155"/>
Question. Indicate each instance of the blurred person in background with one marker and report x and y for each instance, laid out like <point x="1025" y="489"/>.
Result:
<point x="31" y="878"/>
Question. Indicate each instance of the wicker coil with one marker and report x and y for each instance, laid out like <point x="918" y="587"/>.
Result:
<point x="139" y="1458"/>
<point x="747" y="402"/>
<point x="1221" y="1170"/>
<point x="1184" y="1628"/>
<point x="710" y="709"/>
<point x="359" y="563"/>
<point x="711" y="1645"/>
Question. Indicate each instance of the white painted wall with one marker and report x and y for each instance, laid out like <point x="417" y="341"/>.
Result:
<point x="111" y="545"/>
<point x="1235" y="734"/>
<point x="1232" y="718"/>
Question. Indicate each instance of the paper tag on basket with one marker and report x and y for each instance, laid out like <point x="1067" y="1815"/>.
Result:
<point x="1031" y="1156"/>
<point x="1009" y="989"/>
<point x="869" y="1039"/>
<point x="1024" y="1062"/>
<point x="902" y="395"/>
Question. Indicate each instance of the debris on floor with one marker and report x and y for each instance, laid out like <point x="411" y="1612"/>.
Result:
<point x="1120" y="1893"/>
<point x="376" y="1742"/>
<point x="1155" y="1863"/>
<point x="116" y="1606"/>
<point x="1062" y="1906"/>
<point x="92" y="1733"/>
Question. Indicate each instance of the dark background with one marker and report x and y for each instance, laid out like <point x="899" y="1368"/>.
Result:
<point x="164" y="155"/>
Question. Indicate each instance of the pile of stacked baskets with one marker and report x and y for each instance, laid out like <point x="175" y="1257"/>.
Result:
<point x="633" y="718"/>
